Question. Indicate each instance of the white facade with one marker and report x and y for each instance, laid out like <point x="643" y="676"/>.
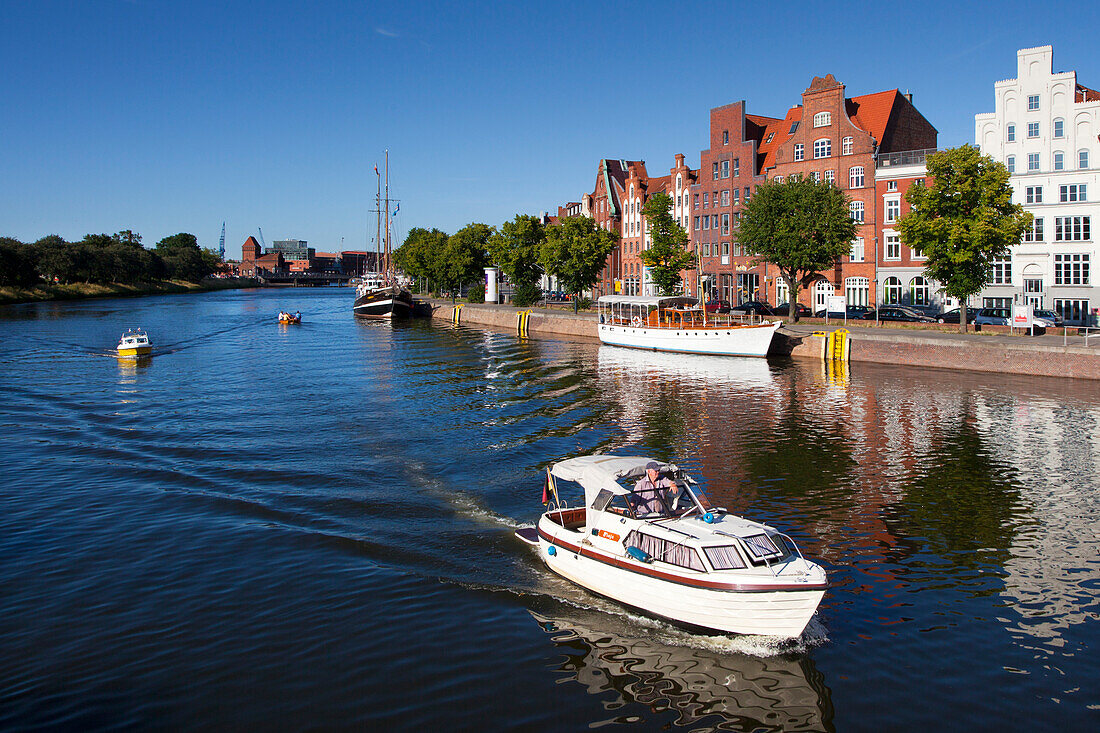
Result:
<point x="1044" y="128"/>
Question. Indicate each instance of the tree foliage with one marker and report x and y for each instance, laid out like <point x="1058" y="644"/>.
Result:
<point x="575" y="251"/>
<point x="963" y="222"/>
<point x="464" y="257"/>
<point x="515" y="250"/>
<point x="800" y="226"/>
<point x="183" y="258"/>
<point x="667" y="255"/>
<point x="419" y="255"/>
<point x="17" y="263"/>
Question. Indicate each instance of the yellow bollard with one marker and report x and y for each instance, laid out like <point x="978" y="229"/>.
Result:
<point x="456" y="316"/>
<point x="840" y="345"/>
<point x="522" y="322"/>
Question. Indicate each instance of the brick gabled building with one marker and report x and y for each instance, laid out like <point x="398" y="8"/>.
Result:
<point x="835" y="138"/>
<point x="604" y="205"/>
<point x="728" y="172"/>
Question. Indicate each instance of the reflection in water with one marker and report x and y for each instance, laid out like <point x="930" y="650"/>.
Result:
<point x="697" y="687"/>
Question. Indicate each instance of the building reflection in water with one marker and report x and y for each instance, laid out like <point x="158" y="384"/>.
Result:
<point x="636" y="675"/>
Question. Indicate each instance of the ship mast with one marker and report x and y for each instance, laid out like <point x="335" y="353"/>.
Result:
<point x="378" y="220"/>
<point x="389" y="272"/>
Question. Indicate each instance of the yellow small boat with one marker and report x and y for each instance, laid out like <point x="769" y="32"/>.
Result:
<point x="134" y="342"/>
<point x="290" y="318"/>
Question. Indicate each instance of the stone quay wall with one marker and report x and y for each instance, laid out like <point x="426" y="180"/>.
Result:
<point x="997" y="352"/>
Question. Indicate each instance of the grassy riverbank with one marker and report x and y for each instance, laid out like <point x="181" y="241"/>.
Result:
<point x="80" y="291"/>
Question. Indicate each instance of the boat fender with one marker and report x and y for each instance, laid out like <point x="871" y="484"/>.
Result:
<point x="551" y="551"/>
<point x="638" y="554"/>
<point x="708" y="518"/>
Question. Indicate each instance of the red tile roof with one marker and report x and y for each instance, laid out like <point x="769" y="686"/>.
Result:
<point x="782" y="129"/>
<point x="1084" y="94"/>
<point x="871" y="112"/>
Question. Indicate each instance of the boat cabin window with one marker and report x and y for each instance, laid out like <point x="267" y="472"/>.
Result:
<point x="602" y="500"/>
<point x="762" y="549"/>
<point x="649" y="503"/>
<point x="664" y="550"/>
<point x="724" y="557"/>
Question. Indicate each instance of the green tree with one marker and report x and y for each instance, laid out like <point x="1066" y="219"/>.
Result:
<point x="575" y="251"/>
<point x="419" y="255"/>
<point x="800" y="226"/>
<point x="17" y="263"/>
<point x="667" y="255"/>
<point x="515" y="250"/>
<point x="464" y="257"/>
<point x="963" y="222"/>
<point x="183" y="258"/>
<point x="57" y="260"/>
<point x="130" y="237"/>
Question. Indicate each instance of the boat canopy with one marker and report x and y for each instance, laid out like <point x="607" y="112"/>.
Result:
<point x="602" y="472"/>
<point x="645" y="300"/>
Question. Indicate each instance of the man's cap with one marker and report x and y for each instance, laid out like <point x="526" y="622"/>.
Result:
<point x="654" y="465"/>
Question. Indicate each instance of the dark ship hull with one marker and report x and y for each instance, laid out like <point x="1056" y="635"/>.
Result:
<point x="387" y="302"/>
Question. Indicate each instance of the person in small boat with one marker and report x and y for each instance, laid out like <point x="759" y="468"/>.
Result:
<point x="298" y="315"/>
<point x="649" y="490"/>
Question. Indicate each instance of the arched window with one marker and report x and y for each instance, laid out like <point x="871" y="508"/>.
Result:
<point x="891" y="291"/>
<point x="1059" y="161"/>
<point x="782" y="291"/>
<point x="856" y="209"/>
<point x="857" y="290"/>
<point x="1059" y="127"/>
<point x="1083" y="159"/>
<point x="822" y="119"/>
<point x="823" y="148"/>
<point x="846" y="146"/>
<point x="918" y="291"/>
<point x="855" y="176"/>
<point x="677" y="181"/>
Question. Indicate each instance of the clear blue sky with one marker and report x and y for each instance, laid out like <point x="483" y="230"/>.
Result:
<point x="163" y="117"/>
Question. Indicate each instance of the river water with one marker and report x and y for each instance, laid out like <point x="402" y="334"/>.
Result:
<point x="309" y="526"/>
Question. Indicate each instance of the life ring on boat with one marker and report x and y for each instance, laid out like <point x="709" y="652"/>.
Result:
<point x="636" y="321"/>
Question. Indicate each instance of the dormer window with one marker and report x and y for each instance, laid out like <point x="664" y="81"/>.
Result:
<point x="823" y="119"/>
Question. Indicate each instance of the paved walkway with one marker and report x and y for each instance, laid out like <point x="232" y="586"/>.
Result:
<point x="1054" y="339"/>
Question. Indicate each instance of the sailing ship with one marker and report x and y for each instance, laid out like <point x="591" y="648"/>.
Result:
<point x="383" y="295"/>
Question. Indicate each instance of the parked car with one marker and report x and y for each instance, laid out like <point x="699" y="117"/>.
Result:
<point x="1003" y="317"/>
<point x="718" y="306"/>
<point x="1052" y="316"/>
<point x="753" y="307"/>
<point x="783" y="308"/>
<point x="952" y="316"/>
<point x="897" y="313"/>
<point x="853" y="312"/>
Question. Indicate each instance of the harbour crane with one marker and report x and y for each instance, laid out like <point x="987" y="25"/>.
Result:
<point x="262" y="242"/>
<point x="221" y="244"/>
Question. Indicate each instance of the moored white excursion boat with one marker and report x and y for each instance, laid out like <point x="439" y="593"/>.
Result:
<point x="676" y="323"/>
<point x="681" y="559"/>
<point x="134" y="342"/>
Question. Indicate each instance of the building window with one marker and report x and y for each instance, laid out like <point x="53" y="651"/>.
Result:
<point x="725" y="137"/>
<point x="725" y="223"/>
<point x="714" y="221"/>
<point x="857" y="290"/>
<point x="1071" y="228"/>
<point x="891" y="291"/>
<point x="746" y="194"/>
<point x="815" y="176"/>
<point x="725" y="249"/>
<point x="891" y="185"/>
<point x="1071" y="193"/>
<point x="822" y="119"/>
<point x="1035" y="233"/>
<point x="706" y="223"/>
<point x="706" y="200"/>
<point x="695" y="201"/>
<point x="736" y="197"/>
<point x="1073" y="311"/>
<point x="1083" y="159"/>
<point x="1034" y="194"/>
<point x="778" y="179"/>
<point x="1032" y="162"/>
<point x="1059" y="127"/>
<point x="830" y="177"/>
<point x="856" y="209"/>
<point x="1033" y="129"/>
<point x="736" y="167"/>
<point x="725" y="169"/>
<point x="822" y="290"/>
<point x="1012" y="133"/>
<point x="726" y="197"/>
<point x="846" y="146"/>
<point x="696" y="223"/>
<point x="1032" y="102"/>
<point x="857" y="250"/>
<point x="1071" y="269"/>
<point x="918" y="291"/>
<point x="715" y="170"/>
<point x="893" y="209"/>
<point x="770" y="136"/>
<point x="1001" y="272"/>
<point x="706" y="249"/>
<point x="893" y="247"/>
<point x="1011" y="162"/>
<point x="799" y="151"/>
<point x="822" y="148"/>
<point x="855" y="176"/>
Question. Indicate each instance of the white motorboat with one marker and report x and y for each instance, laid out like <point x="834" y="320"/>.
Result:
<point x="680" y="324"/>
<point x="134" y="342"/>
<point x="682" y="559"/>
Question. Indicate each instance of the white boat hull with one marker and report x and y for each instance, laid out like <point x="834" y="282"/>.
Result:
<point x="754" y="340"/>
<point x="763" y="605"/>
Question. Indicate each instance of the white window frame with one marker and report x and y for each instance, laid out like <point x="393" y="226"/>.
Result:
<point x="1083" y="159"/>
<point x="799" y="151"/>
<point x="823" y="148"/>
<point x="856" y="211"/>
<point x="1010" y="161"/>
<point x="1010" y="135"/>
<point x="856" y="177"/>
<point x="892" y="208"/>
<point x="1071" y="269"/>
<point x="1059" y="160"/>
<point x="1059" y="127"/>
<point x="891" y="247"/>
<point x="1032" y="162"/>
<point x="1032" y="130"/>
<point x="846" y="146"/>
<point x="857" y="253"/>
<point x="823" y="119"/>
<point x="857" y="290"/>
<point x="1032" y="102"/>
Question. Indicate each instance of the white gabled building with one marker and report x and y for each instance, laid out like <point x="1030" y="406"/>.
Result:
<point x="1044" y="128"/>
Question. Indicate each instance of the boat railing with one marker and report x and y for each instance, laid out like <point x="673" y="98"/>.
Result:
<point x="676" y="320"/>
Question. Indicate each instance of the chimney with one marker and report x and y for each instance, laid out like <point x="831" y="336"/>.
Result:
<point x="679" y="160"/>
<point x="908" y="95"/>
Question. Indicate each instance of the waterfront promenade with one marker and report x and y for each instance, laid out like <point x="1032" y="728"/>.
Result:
<point x="1053" y="354"/>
